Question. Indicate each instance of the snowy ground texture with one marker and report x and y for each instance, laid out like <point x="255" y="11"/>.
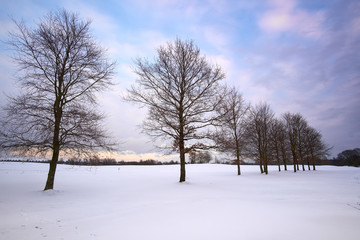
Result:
<point x="147" y="202"/>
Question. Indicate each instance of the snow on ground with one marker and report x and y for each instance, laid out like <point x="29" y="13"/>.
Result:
<point x="147" y="202"/>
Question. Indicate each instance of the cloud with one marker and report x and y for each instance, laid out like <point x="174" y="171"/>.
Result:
<point x="320" y="78"/>
<point x="221" y="60"/>
<point x="215" y="36"/>
<point x="6" y="27"/>
<point x="284" y="16"/>
<point x="129" y="155"/>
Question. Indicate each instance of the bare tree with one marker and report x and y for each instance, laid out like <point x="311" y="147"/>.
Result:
<point x="180" y="89"/>
<point x="283" y="142"/>
<point x="314" y="146"/>
<point x="230" y="135"/>
<point x="296" y="126"/>
<point x="277" y="138"/>
<point x="291" y="122"/>
<point x="302" y="125"/>
<point x="62" y="68"/>
<point x="258" y="131"/>
<point x="305" y="142"/>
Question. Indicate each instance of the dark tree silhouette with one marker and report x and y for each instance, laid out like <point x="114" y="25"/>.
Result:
<point x="293" y="125"/>
<point x="258" y="132"/>
<point x="231" y="128"/>
<point x="278" y="142"/>
<point x="306" y="143"/>
<point x="62" y="68"/>
<point x="314" y="146"/>
<point x="180" y="89"/>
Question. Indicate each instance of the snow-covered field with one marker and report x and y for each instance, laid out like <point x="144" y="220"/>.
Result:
<point x="147" y="202"/>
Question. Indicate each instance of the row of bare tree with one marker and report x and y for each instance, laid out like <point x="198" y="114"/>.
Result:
<point x="62" y="68"/>
<point x="188" y="104"/>
<point x="254" y="132"/>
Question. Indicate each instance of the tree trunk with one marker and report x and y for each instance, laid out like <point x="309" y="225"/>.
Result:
<point x="52" y="169"/>
<point x="182" y="161"/>
<point x="279" y="166"/>
<point x="278" y="158"/>
<point x="313" y="161"/>
<point x="294" y="159"/>
<point x="285" y="164"/>
<point x="56" y="146"/>
<point x="266" y="166"/>
<point x="238" y="157"/>
<point x="283" y="156"/>
<point x="238" y="166"/>
<point x="302" y="160"/>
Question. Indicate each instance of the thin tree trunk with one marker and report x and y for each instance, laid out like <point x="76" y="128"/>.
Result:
<point x="278" y="158"/>
<point x="283" y="156"/>
<point x="284" y="161"/>
<point x="266" y="167"/>
<point x="279" y="166"/>
<point x="313" y="161"/>
<point x="238" y="166"/>
<point x="302" y="160"/>
<point x="302" y="164"/>
<point x="237" y="155"/>
<point x="294" y="159"/>
<point x="182" y="161"/>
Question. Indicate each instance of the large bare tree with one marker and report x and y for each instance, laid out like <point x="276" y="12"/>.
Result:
<point x="232" y="123"/>
<point x="180" y="89"/>
<point x="61" y="70"/>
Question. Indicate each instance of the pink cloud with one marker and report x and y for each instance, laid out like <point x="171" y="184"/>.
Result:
<point x="284" y="16"/>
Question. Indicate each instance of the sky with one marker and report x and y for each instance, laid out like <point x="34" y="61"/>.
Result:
<point x="298" y="56"/>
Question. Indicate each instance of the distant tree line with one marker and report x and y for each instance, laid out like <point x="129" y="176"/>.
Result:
<point x="96" y="161"/>
<point x="345" y="158"/>
<point x="253" y="132"/>
<point x="199" y="157"/>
